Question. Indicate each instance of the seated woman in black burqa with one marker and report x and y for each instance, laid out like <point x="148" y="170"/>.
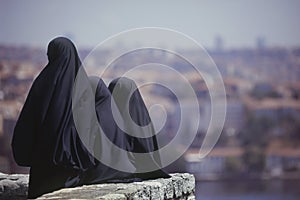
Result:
<point x="46" y="138"/>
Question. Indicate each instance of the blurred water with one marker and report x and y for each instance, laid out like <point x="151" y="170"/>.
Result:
<point x="248" y="190"/>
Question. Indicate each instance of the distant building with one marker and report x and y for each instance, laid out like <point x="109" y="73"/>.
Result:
<point x="282" y="159"/>
<point x="235" y="115"/>
<point x="213" y="165"/>
<point x="260" y="42"/>
<point x="219" y="44"/>
<point x="263" y="88"/>
<point x="274" y="108"/>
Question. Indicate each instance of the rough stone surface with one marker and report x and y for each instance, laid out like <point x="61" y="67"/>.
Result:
<point x="179" y="186"/>
<point x="13" y="186"/>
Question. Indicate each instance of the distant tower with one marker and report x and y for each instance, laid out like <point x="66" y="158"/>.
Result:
<point x="260" y="42"/>
<point x="218" y="43"/>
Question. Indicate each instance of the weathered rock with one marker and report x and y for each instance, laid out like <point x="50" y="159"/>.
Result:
<point x="179" y="186"/>
<point x="13" y="186"/>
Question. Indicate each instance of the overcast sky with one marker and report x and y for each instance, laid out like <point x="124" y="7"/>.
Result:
<point x="238" y="22"/>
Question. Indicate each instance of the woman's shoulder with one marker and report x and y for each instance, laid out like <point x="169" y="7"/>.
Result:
<point x="98" y="86"/>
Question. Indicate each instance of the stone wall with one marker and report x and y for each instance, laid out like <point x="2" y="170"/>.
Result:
<point x="179" y="186"/>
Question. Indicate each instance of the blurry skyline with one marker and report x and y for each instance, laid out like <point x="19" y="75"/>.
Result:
<point x="238" y="23"/>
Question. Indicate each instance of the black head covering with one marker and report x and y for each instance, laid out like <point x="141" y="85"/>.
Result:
<point x="138" y="125"/>
<point x="134" y="111"/>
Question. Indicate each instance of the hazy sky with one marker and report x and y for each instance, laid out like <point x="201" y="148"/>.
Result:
<point x="238" y="22"/>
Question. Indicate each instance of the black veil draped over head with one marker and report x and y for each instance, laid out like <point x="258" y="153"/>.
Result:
<point x="137" y="123"/>
<point x="45" y="136"/>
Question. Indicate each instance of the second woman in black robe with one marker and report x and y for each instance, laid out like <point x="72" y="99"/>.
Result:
<point x="139" y="128"/>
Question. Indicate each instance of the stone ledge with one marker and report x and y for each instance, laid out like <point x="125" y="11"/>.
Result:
<point x="179" y="186"/>
<point x="13" y="186"/>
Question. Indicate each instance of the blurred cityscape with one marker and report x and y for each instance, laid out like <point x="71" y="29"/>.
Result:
<point x="261" y="135"/>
